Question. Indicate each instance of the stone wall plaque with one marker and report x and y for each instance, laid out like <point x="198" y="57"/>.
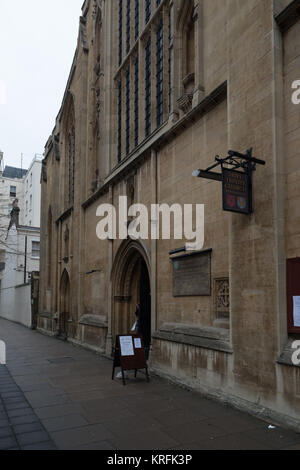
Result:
<point x="192" y="274"/>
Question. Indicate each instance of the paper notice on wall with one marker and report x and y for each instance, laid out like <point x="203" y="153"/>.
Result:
<point x="296" y="311"/>
<point x="137" y="343"/>
<point x="126" y="346"/>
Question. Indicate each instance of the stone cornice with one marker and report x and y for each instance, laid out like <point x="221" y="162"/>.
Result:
<point x="65" y="215"/>
<point x="216" y="339"/>
<point x="289" y="16"/>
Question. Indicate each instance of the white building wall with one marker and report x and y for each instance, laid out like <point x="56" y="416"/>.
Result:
<point x="15" y="296"/>
<point x="32" y="194"/>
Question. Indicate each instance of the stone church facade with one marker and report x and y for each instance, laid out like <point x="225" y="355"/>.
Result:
<point x="157" y="89"/>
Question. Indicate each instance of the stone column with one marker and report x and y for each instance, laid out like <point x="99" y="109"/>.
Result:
<point x="199" y="54"/>
<point x="110" y="286"/>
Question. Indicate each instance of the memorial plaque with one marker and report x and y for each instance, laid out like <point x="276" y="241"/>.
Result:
<point x="192" y="275"/>
<point x="236" y="192"/>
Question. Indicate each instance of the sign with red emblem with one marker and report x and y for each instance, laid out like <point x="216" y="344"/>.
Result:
<point x="236" y="191"/>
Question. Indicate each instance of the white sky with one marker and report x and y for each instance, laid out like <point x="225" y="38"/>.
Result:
<point x="38" y="39"/>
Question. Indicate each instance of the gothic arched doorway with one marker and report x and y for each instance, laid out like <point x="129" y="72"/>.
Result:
<point x="64" y="305"/>
<point x="131" y="286"/>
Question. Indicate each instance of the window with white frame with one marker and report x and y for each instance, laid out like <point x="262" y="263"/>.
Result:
<point x="35" y="251"/>
<point x="13" y="191"/>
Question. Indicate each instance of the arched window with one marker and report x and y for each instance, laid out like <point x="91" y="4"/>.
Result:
<point x="70" y="143"/>
<point x="159" y="73"/>
<point x="190" y="48"/>
<point x="186" y="27"/>
<point x="96" y="100"/>
<point x="98" y="39"/>
<point x="49" y="247"/>
<point x="71" y="164"/>
<point x="120" y="31"/>
<point x="119" y="120"/>
<point x="66" y="243"/>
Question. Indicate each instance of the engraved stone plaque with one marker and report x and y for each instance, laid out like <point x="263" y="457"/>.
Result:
<point x="192" y="275"/>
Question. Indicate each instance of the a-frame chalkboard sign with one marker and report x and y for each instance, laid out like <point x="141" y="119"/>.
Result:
<point x="129" y="355"/>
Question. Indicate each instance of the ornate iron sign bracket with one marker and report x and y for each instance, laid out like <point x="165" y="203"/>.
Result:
<point x="236" y="176"/>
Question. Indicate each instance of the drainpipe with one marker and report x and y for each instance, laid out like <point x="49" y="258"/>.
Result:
<point x="25" y="261"/>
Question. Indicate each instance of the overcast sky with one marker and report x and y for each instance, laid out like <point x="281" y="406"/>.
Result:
<point x="38" y="39"/>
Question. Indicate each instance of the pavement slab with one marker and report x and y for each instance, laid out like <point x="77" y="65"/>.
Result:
<point x="15" y="434"/>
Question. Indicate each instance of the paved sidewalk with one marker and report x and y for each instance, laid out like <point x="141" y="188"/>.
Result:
<point x="71" y="400"/>
<point x="20" y="428"/>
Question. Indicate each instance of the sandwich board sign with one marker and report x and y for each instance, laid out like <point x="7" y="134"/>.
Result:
<point x="129" y="355"/>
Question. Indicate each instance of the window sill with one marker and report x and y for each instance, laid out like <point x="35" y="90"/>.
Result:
<point x="99" y="321"/>
<point x="217" y="339"/>
<point x="45" y="315"/>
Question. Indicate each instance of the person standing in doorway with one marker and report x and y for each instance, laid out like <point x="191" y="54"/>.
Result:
<point x="141" y="328"/>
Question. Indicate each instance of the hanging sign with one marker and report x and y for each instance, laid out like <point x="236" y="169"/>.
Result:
<point x="237" y="191"/>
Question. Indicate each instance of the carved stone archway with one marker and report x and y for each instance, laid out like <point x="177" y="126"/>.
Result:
<point x="131" y="267"/>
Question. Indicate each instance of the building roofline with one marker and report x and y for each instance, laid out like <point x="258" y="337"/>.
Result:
<point x="49" y="143"/>
<point x="9" y="168"/>
<point x="14" y="180"/>
<point x="35" y="160"/>
<point x="67" y="89"/>
<point x="28" y="228"/>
